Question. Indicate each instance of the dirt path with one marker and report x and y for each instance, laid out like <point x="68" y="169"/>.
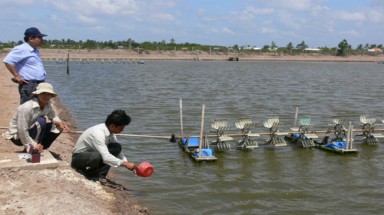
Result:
<point x="53" y="191"/>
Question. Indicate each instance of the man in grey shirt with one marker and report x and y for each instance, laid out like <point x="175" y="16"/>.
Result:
<point x="97" y="149"/>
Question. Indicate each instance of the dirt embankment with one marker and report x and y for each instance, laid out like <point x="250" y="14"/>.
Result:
<point x="53" y="191"/>
<point x="132" y="55"/>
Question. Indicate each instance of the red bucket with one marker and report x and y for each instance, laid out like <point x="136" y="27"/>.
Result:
<point x="144" y="169"/>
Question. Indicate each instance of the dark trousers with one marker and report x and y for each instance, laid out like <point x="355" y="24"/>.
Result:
<point x="91" y="163"/>
<point x="40" y="131"/>
<point x="25" y="90"/>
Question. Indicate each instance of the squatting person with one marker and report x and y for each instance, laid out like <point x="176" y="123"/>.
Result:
<point x="35" y="124"/>
<point x="97" y="148"/>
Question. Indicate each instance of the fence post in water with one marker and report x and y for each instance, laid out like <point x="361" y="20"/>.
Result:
<point x="181" y="118"/>
<point x="68" y="64"/>
<point x="350" y="136"/>
<point x="296" y="114"/>
<point x="202" y="128"/>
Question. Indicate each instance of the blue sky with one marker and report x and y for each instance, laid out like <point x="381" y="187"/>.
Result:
<point x="318" y="23"/>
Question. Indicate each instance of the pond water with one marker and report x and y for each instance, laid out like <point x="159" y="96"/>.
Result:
<point x="285" y="180"/>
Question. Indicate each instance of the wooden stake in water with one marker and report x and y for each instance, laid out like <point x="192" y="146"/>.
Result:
<point x="202" y="128"/>
<point x="181" y="118"/>
<point x="350" y="136"/>
<point x="296" y="114"/>
<point x="68" y="64"/>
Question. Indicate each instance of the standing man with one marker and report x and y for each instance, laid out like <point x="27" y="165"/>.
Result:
<point x="35" y="122"/>
<point x="97" y="149"/>
<point x="25" y="64"/>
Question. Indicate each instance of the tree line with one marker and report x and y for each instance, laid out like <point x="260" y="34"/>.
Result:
<point x="343" y="48"/>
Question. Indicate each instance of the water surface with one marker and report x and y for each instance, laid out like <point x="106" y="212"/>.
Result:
<point x="286" y="180"/>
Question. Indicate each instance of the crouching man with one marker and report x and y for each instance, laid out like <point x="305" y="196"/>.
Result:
<point x="97" y="148"/>
<point x="35" y="123"/>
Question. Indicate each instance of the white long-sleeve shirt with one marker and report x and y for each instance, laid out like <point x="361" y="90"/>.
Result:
<point x="24" y="117"/>
<point x="97" y="138"/>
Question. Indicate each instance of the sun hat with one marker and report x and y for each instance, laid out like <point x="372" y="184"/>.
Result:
<point x="144" y="169"/>
<point x="33" y="32"/>
<point x="44" y="88"/>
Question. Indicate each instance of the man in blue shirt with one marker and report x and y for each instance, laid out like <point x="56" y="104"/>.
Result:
<point x="25" y="64"/>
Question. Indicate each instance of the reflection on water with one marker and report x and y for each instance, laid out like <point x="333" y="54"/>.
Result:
<point x="282" y="181"/>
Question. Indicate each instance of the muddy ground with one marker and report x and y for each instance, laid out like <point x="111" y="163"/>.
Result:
<point x="54" y="191"/>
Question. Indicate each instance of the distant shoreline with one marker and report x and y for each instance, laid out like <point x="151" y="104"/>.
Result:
<point x="62" y="54"/>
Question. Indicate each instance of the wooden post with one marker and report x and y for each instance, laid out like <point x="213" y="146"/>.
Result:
<point x="296" y="114"/>
<point x="181" y="118"/>
<point x="202" y="128"/>
<point x="68" y="64"/>
<point x="350" y="136"/>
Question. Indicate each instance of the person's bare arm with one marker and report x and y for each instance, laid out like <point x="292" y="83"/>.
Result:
<point x="62" y="126"/>
<point x="128" y="165"/>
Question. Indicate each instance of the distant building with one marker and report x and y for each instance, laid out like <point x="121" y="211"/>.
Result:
<point x="375" y="50"/>
<point x="251" y="48"/>
<point x="273" y="49"/>
<point x="312" y="49"/>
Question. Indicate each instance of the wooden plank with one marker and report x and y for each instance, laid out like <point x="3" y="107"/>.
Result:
<point x="202" y="158"/>
<point x="313" y="136"/>
<point x="378" y="135"/>
<point x="253" y="135"/>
